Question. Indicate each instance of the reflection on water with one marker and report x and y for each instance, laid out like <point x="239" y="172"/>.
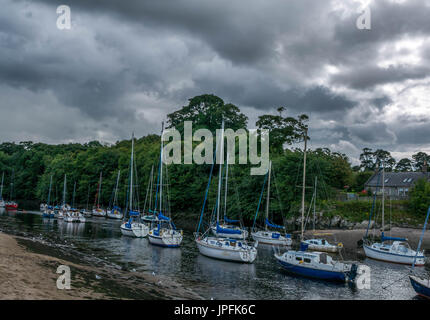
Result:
<point x="218" y="279"/>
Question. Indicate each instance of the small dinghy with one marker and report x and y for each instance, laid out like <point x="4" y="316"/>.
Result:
<point x="229" y="249"/>
<point x="323" y="245"/>
<point x="133" y="227"/>
<point x="268" y="236"/>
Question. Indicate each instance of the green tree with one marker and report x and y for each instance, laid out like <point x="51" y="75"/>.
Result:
<point x="404" y="165"/>
<point x="282" y="130"/>
<point x="419" y="159"/>
<point x="207" y="111"/>
<point x="419" y="197"/>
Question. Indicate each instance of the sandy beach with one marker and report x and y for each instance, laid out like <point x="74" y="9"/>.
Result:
<point x="28" y="275"/>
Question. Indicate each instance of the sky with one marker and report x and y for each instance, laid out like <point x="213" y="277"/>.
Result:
<point x="124" y="65"/>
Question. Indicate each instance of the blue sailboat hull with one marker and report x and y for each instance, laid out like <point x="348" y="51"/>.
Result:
<point x="420" y="289"/>
<point x="313" y="273"/>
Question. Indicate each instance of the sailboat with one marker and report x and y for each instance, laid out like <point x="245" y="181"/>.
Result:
<point x="11" y="205"/>
<point x="318" y="265"/>
<point x="97" y="211"/>
<point x="75" y="213"/>
<point x="219" y="247"/>
<point x="163" y="232"/>
<point x="63" y="212"/>
<point x="2" y="203"/>
<point x="227" y="229"/>
<point x="115" y="212"/>
<point x="85" y="211"/>
<point x="421" y="285"/>
<point x="320" y="244"/>
<point x="149" y="216"/>
<point x="133" y="227"/>
<point x="48" y="212"/>
<point x="267" y="236"/>
<point x="398" y="251"/>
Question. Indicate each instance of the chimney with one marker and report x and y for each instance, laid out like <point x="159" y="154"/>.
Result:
<point x="425" y="166"/>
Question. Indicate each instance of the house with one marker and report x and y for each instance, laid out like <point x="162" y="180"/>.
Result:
<point x="396" y="184"/>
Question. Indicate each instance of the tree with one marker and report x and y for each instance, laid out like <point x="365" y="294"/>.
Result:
<point x="208" y="111"/>
<point x="404" y="165"/>
<point x="282" y="130"/>
<point x="419" y="197"/>
<point x="367" y="159"/>
<point x="419" y="159"/>
<point x="383" y="157"/>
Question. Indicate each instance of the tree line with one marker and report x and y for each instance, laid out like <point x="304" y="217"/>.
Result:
<point x="33" y="165"/>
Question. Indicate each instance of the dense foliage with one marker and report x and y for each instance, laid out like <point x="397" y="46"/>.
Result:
<point x="34" y="163"/>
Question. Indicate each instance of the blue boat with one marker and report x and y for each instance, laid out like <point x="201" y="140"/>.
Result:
<point x="317" y="265"/>
<point x="421" y="286"/>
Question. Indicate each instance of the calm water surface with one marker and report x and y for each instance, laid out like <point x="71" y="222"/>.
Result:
<point x="101" y="239"/>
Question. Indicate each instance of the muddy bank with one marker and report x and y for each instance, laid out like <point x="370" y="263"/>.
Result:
<point x="28" y="271"/>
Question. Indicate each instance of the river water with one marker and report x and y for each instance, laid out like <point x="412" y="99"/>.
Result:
<point x="101" y="239"/>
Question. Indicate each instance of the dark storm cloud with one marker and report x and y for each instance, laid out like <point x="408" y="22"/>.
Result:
<point x="129" y="63"/>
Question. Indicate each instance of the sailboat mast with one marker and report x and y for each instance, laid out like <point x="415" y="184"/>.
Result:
<point x="221" y="160"/>
<point x="304" y="181"/>
<point x="151" y="184"/>
<point x="116" y="188"/>
<point x="64" y="190"/>
<point x="226" y="186"/>
<point x="383" y="195"/>
<point x="131" y="172"/>
<point x="49" y="193"/>
<point x="88" y="197"/>
<point x="268" y="194"/>
<point x="315" y="197"/>
<point x="74" y="193"/>
<point x="11" y="184"/>
<point x="100" y="190"/>
<point x="1" y="188"/>
<point x="161" y="168"/>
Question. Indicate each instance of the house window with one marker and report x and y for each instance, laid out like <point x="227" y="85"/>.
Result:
<point x="400" y="191"/>
<point x="410" y="179"/>
<point x="406" y="191"/>
<point x="405" y="179"/>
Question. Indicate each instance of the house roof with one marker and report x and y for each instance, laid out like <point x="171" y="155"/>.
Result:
<point x="396" y="179"/>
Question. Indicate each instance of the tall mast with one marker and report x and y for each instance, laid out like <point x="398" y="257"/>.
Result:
<point x="116" y="189"/>
<point x="131" y="172"/>
<point x="88" y="197"/>
<point x="100" y="190"/>
<point x="49" y="193"/>
<point x="383" y="195"/>
<point x="304" y="181"/>
<point x="315" y="197"/>
<point x="221" y="160"/>
<point x="268" y="194"/>
<point x="226" y="186"/>
<point x="64" y="190"/>
<point x="151" y="186"/>
<point x="1" y="188"/>
<point x="11" y="184"/>
<point x="161" y="167"/>
<point x="74" y="193"/>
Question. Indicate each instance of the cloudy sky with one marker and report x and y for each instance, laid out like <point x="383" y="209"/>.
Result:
<point x="124" y="65"/>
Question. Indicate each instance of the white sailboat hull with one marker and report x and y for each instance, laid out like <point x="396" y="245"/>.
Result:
<point x="208" y="247"/>
<point x="114" y="215"/>
<point x="166" y="238"/>
<point x="137" y="230"/>
<point x="266" y="237"/>
<point x="2" y="204"/>
<point x="395" y="257"/>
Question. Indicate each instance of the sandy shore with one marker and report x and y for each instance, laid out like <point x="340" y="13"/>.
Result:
<point x="28" y="275"/>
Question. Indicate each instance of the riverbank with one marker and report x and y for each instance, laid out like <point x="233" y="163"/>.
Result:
<point x="25" y="273"/>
